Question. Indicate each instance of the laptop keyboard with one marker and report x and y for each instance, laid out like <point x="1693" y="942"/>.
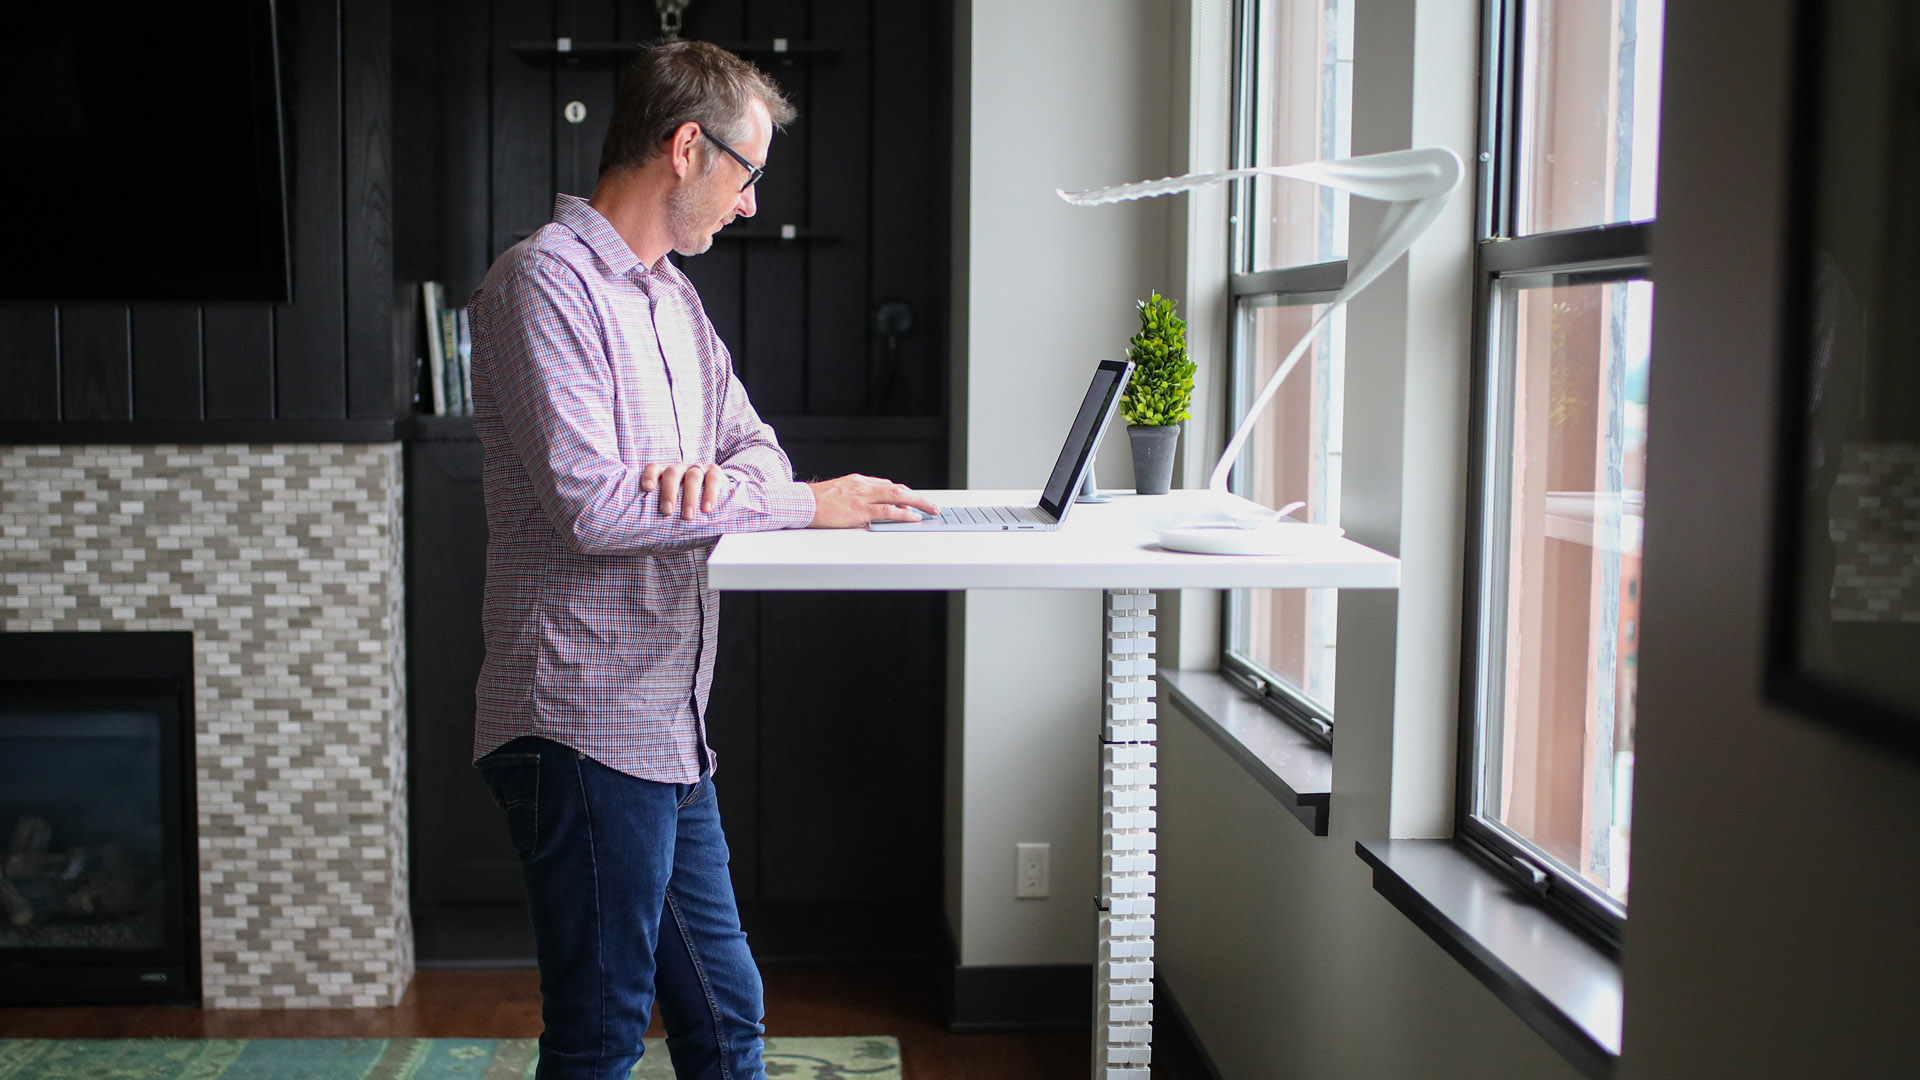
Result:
<point x="985" y="515"/>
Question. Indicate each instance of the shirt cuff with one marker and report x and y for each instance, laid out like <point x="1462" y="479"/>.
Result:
<point x="791" y="504"/>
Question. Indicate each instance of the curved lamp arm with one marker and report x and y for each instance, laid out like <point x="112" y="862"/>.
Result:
<point x="1415" y="184"/>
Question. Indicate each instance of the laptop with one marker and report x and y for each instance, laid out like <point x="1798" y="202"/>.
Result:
<point x="1076" y="458"/>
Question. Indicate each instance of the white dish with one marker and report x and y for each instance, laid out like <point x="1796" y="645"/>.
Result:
<point x="1227" y="538"/>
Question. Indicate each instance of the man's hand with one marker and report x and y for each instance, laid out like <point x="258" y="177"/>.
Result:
<point x="853" y="500"/>
<point x="685" y="486"/>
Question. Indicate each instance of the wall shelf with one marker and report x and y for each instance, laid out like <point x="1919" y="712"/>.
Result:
<point x="570" y="51"/>
<point x="436" y="428"/>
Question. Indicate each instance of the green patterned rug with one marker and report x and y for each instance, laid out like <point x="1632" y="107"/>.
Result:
<point x="864" y="1058"/>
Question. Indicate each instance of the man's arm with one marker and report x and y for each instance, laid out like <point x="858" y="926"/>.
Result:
<point x="554" y="390"/>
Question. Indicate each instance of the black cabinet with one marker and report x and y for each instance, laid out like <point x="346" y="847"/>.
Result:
<point x="827" y="716"/>
<point x="465" y="877"/>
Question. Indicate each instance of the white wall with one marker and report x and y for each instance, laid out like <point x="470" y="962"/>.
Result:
<point x="1773" y="929"/>
<point x="1049" y="94"/>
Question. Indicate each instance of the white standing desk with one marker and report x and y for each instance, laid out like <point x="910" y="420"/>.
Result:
<point x="1111" y="547"/>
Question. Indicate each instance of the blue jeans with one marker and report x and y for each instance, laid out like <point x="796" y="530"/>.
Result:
<point x="627" y="884"/>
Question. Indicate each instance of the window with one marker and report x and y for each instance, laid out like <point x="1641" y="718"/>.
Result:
<point x="1559" y="446"/>
<point x="1294" y="94"/>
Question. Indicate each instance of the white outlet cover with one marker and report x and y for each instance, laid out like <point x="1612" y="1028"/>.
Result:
<point x="1030" y="871"/>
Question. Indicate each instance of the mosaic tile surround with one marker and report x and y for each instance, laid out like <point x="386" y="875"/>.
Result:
<point x="285" y="562"/>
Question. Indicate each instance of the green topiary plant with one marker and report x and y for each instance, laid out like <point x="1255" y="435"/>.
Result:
<point x="1162" y="385"/>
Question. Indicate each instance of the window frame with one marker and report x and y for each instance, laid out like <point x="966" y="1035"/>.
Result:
<point x="1312" y="283"/>
<point x="1601" y="253"/>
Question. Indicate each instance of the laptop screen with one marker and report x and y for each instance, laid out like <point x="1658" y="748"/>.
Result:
<point x="1076" y="457"/>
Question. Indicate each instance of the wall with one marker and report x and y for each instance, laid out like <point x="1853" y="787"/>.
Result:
<point x="1773" y="931"/>
<point x="1047" y="97"/>
<point x="285" y="564"/>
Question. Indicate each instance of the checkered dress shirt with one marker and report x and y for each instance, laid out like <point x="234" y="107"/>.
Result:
<point x="599" y="625"/>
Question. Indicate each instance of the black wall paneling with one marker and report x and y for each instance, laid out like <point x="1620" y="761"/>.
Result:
<point x="166" y="362"/>
<point x="30" y="358"/>
<point x="378" y="383"/>
<point x="909" y="171"/>
<point x="324" y="366"/>
<point x="310" y="379"/>
<point x="523" y="121"/>
<point x="838" y="201"/>
<point x="237" y="358"/>
<point x="576" y="146"/>
<point x="774" y="283"/>
<point x="465" y="876"/>
<point x="96" y="373"/>
<point x="853" y="812"/>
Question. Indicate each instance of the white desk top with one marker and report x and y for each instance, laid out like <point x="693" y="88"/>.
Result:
<point x="1102" y="546"/>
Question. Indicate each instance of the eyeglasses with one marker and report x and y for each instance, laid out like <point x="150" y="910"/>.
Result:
<point x="754" y="173"/>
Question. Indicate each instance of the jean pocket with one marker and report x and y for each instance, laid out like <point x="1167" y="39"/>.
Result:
<point x="514" y="781"/>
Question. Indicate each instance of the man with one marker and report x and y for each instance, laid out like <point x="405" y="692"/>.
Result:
<point x="618" y="446"/>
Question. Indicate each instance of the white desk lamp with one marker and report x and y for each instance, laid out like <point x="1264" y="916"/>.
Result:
<point x="1415" y="184"/>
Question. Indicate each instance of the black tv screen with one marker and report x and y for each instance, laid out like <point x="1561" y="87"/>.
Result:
<point x="140" y="152"/>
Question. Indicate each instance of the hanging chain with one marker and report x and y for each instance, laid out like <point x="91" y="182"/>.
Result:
<point x="670" y="17"/>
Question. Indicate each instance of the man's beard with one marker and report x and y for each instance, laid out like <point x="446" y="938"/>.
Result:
<point x="686" y="222"/>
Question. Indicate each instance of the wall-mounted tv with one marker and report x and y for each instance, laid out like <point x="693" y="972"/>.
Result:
<point x="141" y="152"/>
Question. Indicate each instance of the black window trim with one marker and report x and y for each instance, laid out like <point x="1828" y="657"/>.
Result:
<point x="1248" y="289"/>
<point x="1604" y="253"/>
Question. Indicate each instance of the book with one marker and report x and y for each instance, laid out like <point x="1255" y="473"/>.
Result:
<point x="464" y="338"/>
<point x="436" y="355"/>
<point x="450" y="350"/>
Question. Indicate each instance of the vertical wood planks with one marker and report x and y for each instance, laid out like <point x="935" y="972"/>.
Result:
<point x="309" y="372"/>
<point x="523" y="118"/>
<point x="377" y="381"/>
<point x="237" y="356"/>
<point x="908" y="226"/>
<point x="576" y="147"/>
<point x="96" y="375"/>
<point x="847" y="813"/>
<point x="166" y="362"/>
<point x="775" y="279"/>
<point x="30" y="359"/>
<point x="462" y="176"/>
<point x="839" y="148"/>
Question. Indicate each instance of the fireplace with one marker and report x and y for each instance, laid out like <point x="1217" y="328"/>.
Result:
<point x="98" y="888"/>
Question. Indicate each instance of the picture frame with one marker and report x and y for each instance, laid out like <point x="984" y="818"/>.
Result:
<point x="1844" y="621"/>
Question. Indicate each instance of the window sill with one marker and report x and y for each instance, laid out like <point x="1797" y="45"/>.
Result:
<point x="1564" y="987"/>
<point x="1298" y="771"/>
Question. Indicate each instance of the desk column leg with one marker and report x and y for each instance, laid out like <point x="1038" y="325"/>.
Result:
<point x="1123" y="993"/>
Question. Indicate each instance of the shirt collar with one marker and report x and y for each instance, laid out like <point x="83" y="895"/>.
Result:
<point x="598" y="234"/>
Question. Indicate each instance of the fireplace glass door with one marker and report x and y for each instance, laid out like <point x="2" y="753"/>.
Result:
<point x="92" y="856"/>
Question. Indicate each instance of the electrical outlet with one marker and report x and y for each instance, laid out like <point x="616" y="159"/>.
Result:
<point x="1030" y="871"/>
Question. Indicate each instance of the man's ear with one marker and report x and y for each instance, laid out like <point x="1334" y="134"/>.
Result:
<point x="681" y="151"/>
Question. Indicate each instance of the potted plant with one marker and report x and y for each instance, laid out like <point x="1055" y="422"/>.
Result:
<point x="1157" y="397"/>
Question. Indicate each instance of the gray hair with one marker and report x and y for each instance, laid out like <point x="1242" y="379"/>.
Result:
<point x="674" y="83"/>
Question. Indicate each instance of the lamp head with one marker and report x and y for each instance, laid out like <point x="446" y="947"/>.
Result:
<point x="1415" y="184"/>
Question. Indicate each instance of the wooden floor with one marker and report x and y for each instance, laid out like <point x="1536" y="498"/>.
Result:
<point x="898" y="1000"/>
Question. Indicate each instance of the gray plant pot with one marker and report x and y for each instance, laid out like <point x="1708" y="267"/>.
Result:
<point x="1153" y="447"/>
